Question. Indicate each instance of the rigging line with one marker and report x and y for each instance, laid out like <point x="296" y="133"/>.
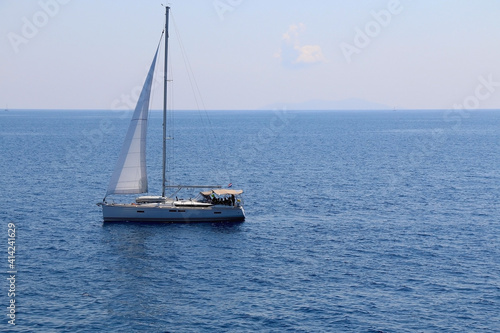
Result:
<point x="153" y="87"/>
<point x="197" y="95"/>
<point x="192" y="80"/>
<point x="185" y="60"/>
<point x="154" y="83"/>
<point x="170" y="120"/>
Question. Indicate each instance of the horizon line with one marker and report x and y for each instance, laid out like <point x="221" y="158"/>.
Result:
<point x="256" y="110"/>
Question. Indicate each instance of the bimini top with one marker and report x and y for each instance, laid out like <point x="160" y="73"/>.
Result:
<point x="222" y="192"/>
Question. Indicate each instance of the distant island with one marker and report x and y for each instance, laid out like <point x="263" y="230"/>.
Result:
<point x="345" y="104"/>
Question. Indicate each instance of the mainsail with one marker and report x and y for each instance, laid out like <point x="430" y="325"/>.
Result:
<point x="130" y="176"/>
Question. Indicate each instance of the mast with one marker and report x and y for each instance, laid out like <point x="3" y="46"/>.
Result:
<point x="164" y="180"/>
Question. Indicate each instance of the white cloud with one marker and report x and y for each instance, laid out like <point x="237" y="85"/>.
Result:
<point x="310" y="54"/>
<point x="294" y="53"/>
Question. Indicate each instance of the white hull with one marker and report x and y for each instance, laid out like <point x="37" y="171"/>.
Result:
<point x="169" y="212"/>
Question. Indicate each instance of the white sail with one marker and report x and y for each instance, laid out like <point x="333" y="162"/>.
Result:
<point x="130" y="176"/>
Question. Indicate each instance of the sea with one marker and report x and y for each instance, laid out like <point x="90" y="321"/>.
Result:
<point x="356" y="221"/>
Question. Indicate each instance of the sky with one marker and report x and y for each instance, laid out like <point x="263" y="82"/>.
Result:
<point x="252" y="54"/>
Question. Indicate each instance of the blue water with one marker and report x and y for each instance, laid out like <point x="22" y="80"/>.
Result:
<point x="356" y="222"/>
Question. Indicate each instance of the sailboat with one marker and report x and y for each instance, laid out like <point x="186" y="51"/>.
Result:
<point x="212" y="204"/>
